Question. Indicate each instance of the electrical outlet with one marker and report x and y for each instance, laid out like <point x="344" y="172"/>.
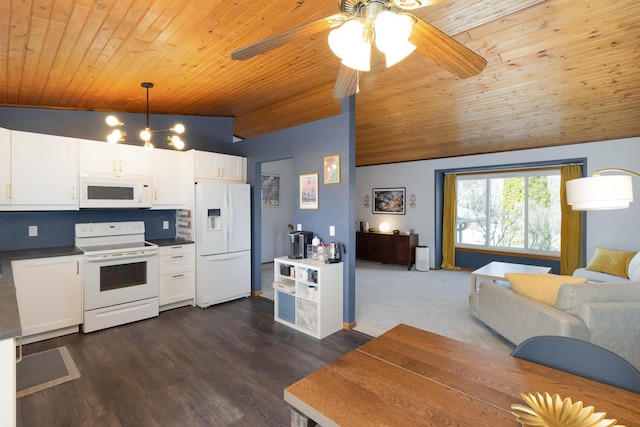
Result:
<point x="33" y="230"/>
<point x="332" y="230"/>
<point x="165" y="225"/>
<point x="299" y="227"/>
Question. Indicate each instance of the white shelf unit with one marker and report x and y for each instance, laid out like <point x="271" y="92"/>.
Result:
<point x="308" y="295"/>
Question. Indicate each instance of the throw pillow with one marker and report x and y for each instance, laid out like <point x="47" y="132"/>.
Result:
<point x="611" y="261"/>
<point x="540" y="287"/>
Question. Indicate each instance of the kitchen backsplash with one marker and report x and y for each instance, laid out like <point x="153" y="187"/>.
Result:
<point x="56" y="228"/>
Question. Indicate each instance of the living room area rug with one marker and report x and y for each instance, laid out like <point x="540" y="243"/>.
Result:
<point x="49" y="368"/>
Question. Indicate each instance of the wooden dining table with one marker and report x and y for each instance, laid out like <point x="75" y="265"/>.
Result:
<point x="411" y="377"/>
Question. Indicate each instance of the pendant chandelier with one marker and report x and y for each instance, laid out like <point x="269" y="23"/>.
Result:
<point x="118" y="135"/>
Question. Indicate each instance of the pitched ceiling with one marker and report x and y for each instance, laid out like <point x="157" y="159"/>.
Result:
<point x="559" y="71"/>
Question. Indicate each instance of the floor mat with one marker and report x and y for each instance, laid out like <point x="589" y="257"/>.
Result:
<point x="39" y="371"/>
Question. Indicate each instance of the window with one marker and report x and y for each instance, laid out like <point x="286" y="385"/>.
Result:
<point x="516" y="211"/>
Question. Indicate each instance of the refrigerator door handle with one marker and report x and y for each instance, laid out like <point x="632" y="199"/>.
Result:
<point x="228" y="255"/>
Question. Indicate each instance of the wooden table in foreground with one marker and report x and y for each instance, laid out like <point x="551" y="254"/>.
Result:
<point x="411" y="377"/>
<point x="495" y="271"/>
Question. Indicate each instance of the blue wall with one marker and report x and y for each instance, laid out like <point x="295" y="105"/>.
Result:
<point x="57" y="228"/>
<point x="202" y="133"/>
<point x="308" y="144"/>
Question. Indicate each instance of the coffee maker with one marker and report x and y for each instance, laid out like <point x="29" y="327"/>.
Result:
<point x="298" y="241"/>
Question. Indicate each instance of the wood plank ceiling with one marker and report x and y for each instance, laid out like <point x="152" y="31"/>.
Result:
<point x="559" y="71"/>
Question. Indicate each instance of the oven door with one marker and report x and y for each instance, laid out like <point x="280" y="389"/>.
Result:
<point x="113" y="281"/>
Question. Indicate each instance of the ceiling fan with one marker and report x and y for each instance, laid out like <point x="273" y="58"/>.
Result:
<point x="395" y="32"/>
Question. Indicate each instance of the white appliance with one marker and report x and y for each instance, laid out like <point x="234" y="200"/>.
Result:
<point x="223" y="242"/>
<point x="120" y="274"/>
<point x="113" y="191"/>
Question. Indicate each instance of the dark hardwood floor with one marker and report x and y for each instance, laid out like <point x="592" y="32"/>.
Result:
<point x="226" y="365"/>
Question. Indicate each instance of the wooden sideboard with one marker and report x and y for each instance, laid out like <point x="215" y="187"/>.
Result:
<point x="387" y="248"/>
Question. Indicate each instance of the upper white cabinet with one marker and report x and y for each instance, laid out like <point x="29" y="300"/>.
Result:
<point x="5" y="166"/>
<point x="169" y="179"/>
<point x="44" y="172"/>
<point x="222" y="167"/>
<point x="119" y="159"/>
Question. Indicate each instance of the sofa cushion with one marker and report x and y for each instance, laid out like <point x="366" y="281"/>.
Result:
<point x="634" y="268"/>
<point x="611" y="261"/>
<point x="540" y="287"/>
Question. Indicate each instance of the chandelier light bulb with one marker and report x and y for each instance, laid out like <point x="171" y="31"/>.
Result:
<point x="176" y="142"/>
<point x="178" y="128"/>
<point x="112" y="139"/>
<point x="113" y="121"/>
<point x="145" y="135"/>
<point x="148" y="145"/>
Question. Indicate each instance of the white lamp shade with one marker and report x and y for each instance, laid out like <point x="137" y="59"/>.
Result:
<point x="600" y="193"/>
<point x="385" y="227"/>
<point x="398" y="53"/>
<point x="391" y="29"/>
<point x="344" y="39"/>
<point x="360" y="58"/>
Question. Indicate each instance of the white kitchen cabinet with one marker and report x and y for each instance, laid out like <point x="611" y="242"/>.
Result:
<point x="169" y="179"/>
<point x="44" y="172"/>
<point x="308" y="295"/>
<point x="177" y="265"/>
<point x="8" y="383"/>
<point x="5" y="166"/>
<point x="218" y="166"/>
<point x="49" y="294"/>
<point x="119" y="159"/>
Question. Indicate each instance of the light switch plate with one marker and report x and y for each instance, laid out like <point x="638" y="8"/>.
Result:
<point x="33" y="230"/>
<point x="165" y="225"/>
<point x="332" y="230"/>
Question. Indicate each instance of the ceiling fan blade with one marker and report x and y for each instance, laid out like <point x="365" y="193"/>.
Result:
<point x="444" y="50"/>
<point x="346" y="83"/>
<point x="281" y="39"/>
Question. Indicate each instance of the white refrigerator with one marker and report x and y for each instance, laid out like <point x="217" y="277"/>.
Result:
<point x="223" y="242"/>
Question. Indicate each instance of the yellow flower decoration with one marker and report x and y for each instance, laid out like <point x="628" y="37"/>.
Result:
<point x="545" y="410"/>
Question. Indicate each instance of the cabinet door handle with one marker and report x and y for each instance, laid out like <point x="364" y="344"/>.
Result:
<point x="73" y="192"/>
<point x="155" y="194"/>
<point x="176" y="247"/>
<point x="114" y="165"/>
<point x="121" y="168"/>
<point x="19" y="358"/>
<point x="9" y="195"/>
<point x="175" y="276"/>
<point x="77" y="267"/>
<point x="177" y="256"/>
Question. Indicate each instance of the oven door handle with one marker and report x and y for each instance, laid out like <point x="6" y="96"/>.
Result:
<point x="117" y="256"/>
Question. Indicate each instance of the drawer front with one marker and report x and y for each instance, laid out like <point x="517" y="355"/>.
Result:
<point x="177" y="249"/>
<point x="177" y="287"/>
<point x="177" y="263"/>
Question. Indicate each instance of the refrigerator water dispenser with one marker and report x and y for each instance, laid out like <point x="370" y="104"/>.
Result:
<point x="213" y="219"/>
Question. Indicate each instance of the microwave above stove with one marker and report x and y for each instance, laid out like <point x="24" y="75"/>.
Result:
<point x="112" y="191"/>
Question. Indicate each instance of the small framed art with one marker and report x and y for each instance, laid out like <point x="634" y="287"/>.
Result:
<point x="270" y="190"/>
<point x="309" y="191"/>
<point x="332" y="169"/>
<point x="389" y="201"/>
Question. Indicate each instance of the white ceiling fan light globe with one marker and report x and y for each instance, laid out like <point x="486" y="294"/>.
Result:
<point x="344" y="39"/>
<point x="398" y="53"/>
<point x="360" y="58"/>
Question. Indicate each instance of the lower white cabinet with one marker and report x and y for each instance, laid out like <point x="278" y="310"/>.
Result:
<point x="8" y="383"/>
<point x="308" y="295"/>
<point x="49" y="294"/>
<point x="177" y="276"/>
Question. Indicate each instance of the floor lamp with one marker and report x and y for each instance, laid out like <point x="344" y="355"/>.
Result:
<point x="601" y="192"/>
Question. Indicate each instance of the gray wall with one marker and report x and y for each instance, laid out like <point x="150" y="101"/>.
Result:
<point x="275" y="220"/>
<point x="616" y="229"/>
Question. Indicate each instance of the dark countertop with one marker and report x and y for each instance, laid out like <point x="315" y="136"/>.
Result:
<point x="171" y="242"/>
<point x="9" y="315"/>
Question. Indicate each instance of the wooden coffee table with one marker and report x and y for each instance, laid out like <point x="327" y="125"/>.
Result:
<point x="495" y="271"/>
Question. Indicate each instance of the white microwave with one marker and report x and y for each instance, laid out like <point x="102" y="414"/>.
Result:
<point x="110" y="191"/>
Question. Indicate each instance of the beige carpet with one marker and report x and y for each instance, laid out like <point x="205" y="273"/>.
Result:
<point x="39" y="371"/>
<point x="435" y="300"/>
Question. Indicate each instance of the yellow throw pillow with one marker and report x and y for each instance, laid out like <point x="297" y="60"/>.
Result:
<point x="540" y="287"/>
<point x="611" y="261"/>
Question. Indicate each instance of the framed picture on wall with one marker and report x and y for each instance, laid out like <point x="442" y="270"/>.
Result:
<point x="270" y="190"/>
<point x="332" y="169"/>
<point x="309" y="191"/>
<point x="389" y="201"/>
